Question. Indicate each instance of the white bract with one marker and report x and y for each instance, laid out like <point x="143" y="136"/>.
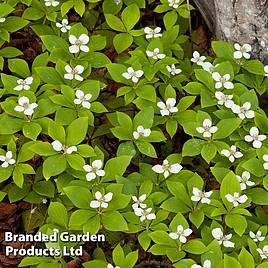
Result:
<point x="23" y="84"/>
<point x="201" y="196"/>
<point x="181" y="234"/>
<point x="7" y="159"/>
<point x="82" y="98"/>
<point x="243" y="111"/>
<point x="2" y="20"/>
<point x="152" y="33"/>
<point x="174" y="3"/>
<point x="155" y="54"/>
<point x="265" y="159"/>
<point x="263" y="252"/>
<point x="59" y="147"/>
<point x="94" y="170"/>
<point x="207" y="264"/>
<point x="232" y="154"/>
<point x="225" y="100"/>
<point x="173" y="70"/>
<point x="64" y="27"/>
<point x="244" y="180"/>
<point x="207" y="130"/>
<point x="110" y="265"/>
<point x="242" y="51"/>
<point x="256" y="237"/>
<point x="144" y="214"/>
<point x="141" y="132"/>
<point x="74" y="73"/>
<point x="167" y="108"/>
<point x="117" y="2"/>
<point x="222" y="81"/>
<point x="255" y="138"/>
<point x="101" y="200"/>
<point x="221" y="238"/>
<point x="236" y="199"/>
<point x="138" y="201"/>
<point x="167" y="168"/>
<point x="52" y="3"/>
<point x="199" y="60"/>
<point x="209" y="67"/>
<point x="25" y="106"/>
<point x="266" y="70"/>
<point x="131" y="74"/>
<point x="79" y="43"/>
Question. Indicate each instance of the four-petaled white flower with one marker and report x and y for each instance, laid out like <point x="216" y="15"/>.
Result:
<point x="199" y="60"/>
<point x="209" y="67"/>
<point x="181" y="234"/>
<point x="167" y="108"/>
<point x="236" y="199"/>
<point x="225" y="100"/>
<point x="64" y="27"/>
<point x="2" y="20"/>
<point x="265" y="159"/>
<point x="78" y="43"/>
<point x="134" y="75"/>
<point x="256" y="237"/>
<point x="222" y="81"/>
<point x="201" y="196"/>
<point x="101" y="200"/>
<point x="232" y="154"/>
<point x="155" y="54"/>
<point x="207" y="130"/>
<point x="174" y="3"/>
<point x="94" y="170"/>
<point x="173" y="70"/>
<point x="244" y="180"/>
<point x="82" y="98"/>
<point x="263" y="252"/>
<point x="74" y="73"/>
<point x="255" y="137"/>
<point x="266" y="70"/>
<point x="110" y="265"/>
<point x="222" y="239"/>
<point x="152" y="33"/>
<point x="7" y="159"/>
<point x="52" y="3"/>
<point x="243" y="111"/>
<point x="141" y="132"/>
<point x="207" y="264"/>
<point x="59" y="147"/>
<point x="25" y="106"/>
<point x="145" y="214"/>
<point x="242" y="51"/>
<point x="167" y="168"/>
<point x="24" y="84"/>
<point x="138" y="201"/>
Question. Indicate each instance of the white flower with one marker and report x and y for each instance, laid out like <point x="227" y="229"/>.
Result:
<point x="24" y="84"/>
<point x="64" y="27"/>
<point x="225" y="100"/>
<point x="145" y="214"/>
<point x="266" y="70"/>
<point x="222" y="239"/>
<point x="58" y="147"/>
<point x="44" y="200"/>
<point x="207" y="264"/>
<point x="181" y="234"/>
<point x="242" y="51"/>
<point x="173" y="70"/>
<point x="222" y="81"/>
<point x="138" y="201"/>
<point x="82" y="98"/>
<point x="255" y="137"/>
<point x="236" y="199"/>
<point x="50" y="3"/>
<point x="117" y="2"/>
<point x="265" y="159"/>
<point x="74" y="73"/>
<point x="78" y="43"/>
<point x="141" y="132"/>
<point x="232" y="154"/>
<point x="263" y="252"/>
<point x="2" y="20"/>
<point x="155" y="54"/>
<point x="199" y="195"/>
<point x="199" y="60"/>
<point x="244" y="180"/>
<point x="25" y="106"/>
<point x="167" y="108"/>
<point x="7" y="159"/>
<point x="167" y="168"/>
<point x="209" y="67"/>
<point x="131" y="74"/>
<point x="152" y="33"/>
<point x="243" y="111"/>
<point x="101" y="200"/>
<point x="110" y="265"/>
<point x="256" y="237"/>
<point x="207" y="130"/>
<point x="94" y="170"/>
<point x="174" y="3"/>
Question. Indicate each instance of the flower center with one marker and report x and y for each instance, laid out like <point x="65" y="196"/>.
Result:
<point x="78" y="43"/>
<point x="74" y="71"/>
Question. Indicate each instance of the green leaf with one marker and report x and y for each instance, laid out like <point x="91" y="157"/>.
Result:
<point x="209" y="151"/>
<point x="114" y="221"/>
<point x="18" y="176"/>
<point x="115" y="23"/>
<point x="226" y="127"/>
<point x="195" y="247"/>
<point x="76" y="131"/>
<point x="58" y="213"/>
<point x="31" y="130"/>
<point x="223" y="50"/>
<point x="54" y="165"/>
<point x="19" y="67"/>
<point x="192" y="147"/>
<point x="237" y="222"/>
<point x="130" y="16"/>
<point x="49" y="75"/>
<point x="79" y="196"/>
<point x="259" y="196"/>
<point x="246" y="259"/>
<point x="231" y="262"/>
<point x="146" y="148"/>
<point x="254" y="67"/>
<point x="254" y="166"/>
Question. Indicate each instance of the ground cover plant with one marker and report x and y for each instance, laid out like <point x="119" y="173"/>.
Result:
<point x="113" y="121"/>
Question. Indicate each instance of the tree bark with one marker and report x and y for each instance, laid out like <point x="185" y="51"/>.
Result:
<point x="242" y="21"/>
